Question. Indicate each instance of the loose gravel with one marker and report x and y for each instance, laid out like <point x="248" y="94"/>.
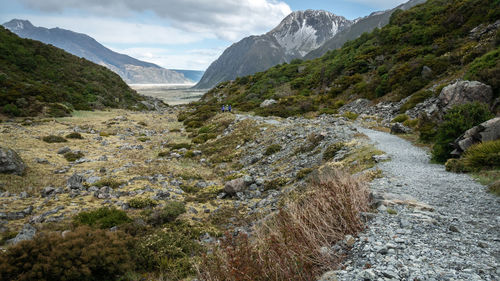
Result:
<point x="432" y="225"/>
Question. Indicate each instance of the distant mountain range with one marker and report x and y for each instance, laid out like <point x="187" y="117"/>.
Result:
<point x="301" y="35"/>
<point x="131" y="70"/>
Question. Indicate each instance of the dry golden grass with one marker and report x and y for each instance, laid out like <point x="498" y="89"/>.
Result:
<point x="287" y="246"/>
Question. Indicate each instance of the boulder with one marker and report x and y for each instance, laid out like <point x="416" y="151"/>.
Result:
<point x="268" y="102"/>
<point x="399" y="128"/>
<point x="27" y="233"/>
<point x="76" y="181"/>
<point x="10" y="162"/>
<point x="234" y="186"/>
<point x="462" y="92"/>
<point x="486" y="131"/>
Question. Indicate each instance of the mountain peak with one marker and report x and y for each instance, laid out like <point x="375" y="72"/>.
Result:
<point x="18" y="24"/>
<point x="303" y="31"/>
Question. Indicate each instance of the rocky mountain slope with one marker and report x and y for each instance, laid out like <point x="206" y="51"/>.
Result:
<point x="298" y="34"/>
<point x="360" y="26"/>
<point x="130" y="69"/>
<point x="38" y="79"/>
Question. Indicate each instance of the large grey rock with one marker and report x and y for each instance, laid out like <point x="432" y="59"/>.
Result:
<point x="235" y="186"/>
<point x="10" y="162"/>
<point x="27" y="233"/>
<point x="486" y="131"/>
<point x="462" y="92"/>
<point x="76" y="181"/>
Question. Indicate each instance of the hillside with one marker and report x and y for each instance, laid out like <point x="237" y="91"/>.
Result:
<point x="131" y="70"/>
<point x="360" y="26"/>
<point x="40" y="79"/>
<point x="418" y="52"/>
<point x="296" y="35"/>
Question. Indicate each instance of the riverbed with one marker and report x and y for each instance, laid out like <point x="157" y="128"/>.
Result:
<point x="172" y="94"/>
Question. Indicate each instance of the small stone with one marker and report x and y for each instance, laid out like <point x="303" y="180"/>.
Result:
<point x="64" y="150"/>
<point x="453" y="228"/>
<point x="366" y="274"/>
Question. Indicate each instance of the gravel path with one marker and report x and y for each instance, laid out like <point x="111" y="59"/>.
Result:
<point x="448" y="227"/>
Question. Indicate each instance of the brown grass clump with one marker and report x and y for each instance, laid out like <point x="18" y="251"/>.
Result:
<point x="287" y="246"/>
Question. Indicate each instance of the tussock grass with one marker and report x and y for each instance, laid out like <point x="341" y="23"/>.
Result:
<point x="287" y="245"/>
<point x="483" y="155"/>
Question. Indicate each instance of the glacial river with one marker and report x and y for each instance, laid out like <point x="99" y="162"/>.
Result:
<point x="172" y="94"/>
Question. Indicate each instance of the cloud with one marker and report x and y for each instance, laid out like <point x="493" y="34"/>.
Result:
<point x="380" y="4"/>
<point x="226" y="19"/>
<point x="198" y="59"/>
<point x="118" y="31"/>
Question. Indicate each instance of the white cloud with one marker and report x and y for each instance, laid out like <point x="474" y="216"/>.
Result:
<point x="198" y="59"/>
<point x="118" y="31"/>
<point x="227" y="19"/>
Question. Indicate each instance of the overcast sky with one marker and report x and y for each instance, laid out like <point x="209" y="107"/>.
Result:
<point x="182" y="34"/>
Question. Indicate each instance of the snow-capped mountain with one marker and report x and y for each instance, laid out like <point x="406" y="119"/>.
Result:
<point x="296" y="35"/>
<point x="303" y="31"/>
<point x="131" y="70"/>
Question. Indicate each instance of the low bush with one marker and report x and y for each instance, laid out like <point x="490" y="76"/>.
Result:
<point x="456" y="166"/>
<point x="143" y="139"/>
<point x="350" y="115"/>
<point x="273" y="148"/>
<point x="54" y="139"/>
<point x="276" y="183"/>
<point x="495" y="188"/>
<point x="458" y="119"/>
<point x="73" y="156"/>
<point x="170" y="250"/>
<point x="102" y="218"/>
<point x="415" y="99"/>
<point x="74" y="135"/>
<point x="303" y="173"/>
<point x="287" y="245"/>
<point x="113" y="183"/>
<point x="400" y="118"/>
<point x="141" y="203"/>
<point x="83" y="254"/>
<point x="179" y="145"/>
<point x="169" y="213"/>
<point x="483" y="155"/>
<point x="163" y="153"/>
<point x="332" y="149"/>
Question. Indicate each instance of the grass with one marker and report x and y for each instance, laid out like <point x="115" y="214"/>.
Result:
<point x="141" y="202"/>
<point x="332" y="150"/>
<point x="103" y="218"/>
<point x="74" y="135"/>
<point x="73" y="156"/>
<point x="113" y="183"/>
<point x="483" y="155"/>
<point x="287" y="245"/>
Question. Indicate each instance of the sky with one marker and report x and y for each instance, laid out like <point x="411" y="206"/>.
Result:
<point x="175" y="34"/>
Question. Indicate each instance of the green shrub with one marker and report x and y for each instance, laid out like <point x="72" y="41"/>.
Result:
<point x="495" y="188"/>
<point x="189" y="154"/>
<point x="169" y="213"/>
<point x="54" y="139"/>
<point x="350" y="115"/>
<point x="400" y="118"/>
<point x="163" y="153"/>
<point x="456" y="166"/>
<point x="273" y="148"/>
<point x="143" y="139"/>
<point x="113" y="183"/>
<point x="458" y="119"/>
<point x="483" y="155"/>
<point x="102" y="218"/>
<point x="415" y="99"/>
<point x="73" y="156"/>
<point x="332" y="149"/>
<point x="81" y="255"/>
<point x="169" y="250"/>
<point x="141" y="203"/>
<point x="74" y="135"/>
<point x="179" y="145"/>
<point x="412" y="123"/>
<point x="276" y="183"/>
<point x="11" y="109"/>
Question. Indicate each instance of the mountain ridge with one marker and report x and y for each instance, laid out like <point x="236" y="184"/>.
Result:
<point x="296" y="35"/>
<point x="131" y="70"/>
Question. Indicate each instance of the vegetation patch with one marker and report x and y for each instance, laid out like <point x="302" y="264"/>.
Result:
<point x="168" y="213"/>
<point x="484" y="155"/>
<point x="81" y="255"/>
<point x="332" y="150"/>
<point x="113" y="183"/>
<point x="103" y="218"/>
<point x="350" y="115"/>
<point x="73" y="156"/>
<point x="54" y="139"/>
<point x="141" y="202"/>
<point x="273" y="148"/>
<point x="400" y="118"/>
<point x="74" y="135"/>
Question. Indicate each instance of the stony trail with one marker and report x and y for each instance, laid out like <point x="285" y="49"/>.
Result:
<point x="432" y="225"/>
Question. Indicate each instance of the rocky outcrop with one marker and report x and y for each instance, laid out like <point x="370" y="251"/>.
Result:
<point x="487" y="131"/>
<point x="234" y="186"/>
<point x="399" y="128"/>
<point x="27" y="233"/>
<point x="10" y="162"/>
<point x="462" y="92"/>
<point x="267" y="103"/>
